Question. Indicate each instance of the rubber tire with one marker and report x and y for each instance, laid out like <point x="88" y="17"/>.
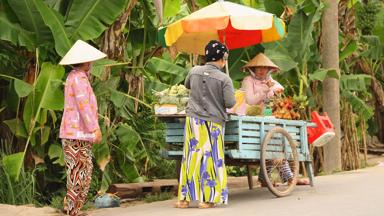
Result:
<point x="263" y="160"/>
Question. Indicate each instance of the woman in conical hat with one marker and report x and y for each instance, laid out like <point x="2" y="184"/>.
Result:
<point x="79" y="128"/>
<point x="259" y="87"/>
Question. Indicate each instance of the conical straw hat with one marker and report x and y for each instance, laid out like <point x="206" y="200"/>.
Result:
<point x="260" y="60"/>
<point x="81" y="52"/>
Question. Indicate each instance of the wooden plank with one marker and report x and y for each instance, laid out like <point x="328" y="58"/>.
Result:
<point x="175" y="132"/>
<point x="170" y="116"/>
<point x="231" y="124"/>
<point x="174" y="153"/>
<point x="287" y="128"/>
<point x="174" y="139"/>
<point x="232" y="130"/>
<point x="177" y="125"/>
<point x="249" y="125"/>
<point x="277" y="148"/>
<point x="257" y="140"/>
<point x="247" y="133"/>
<point x="269" y="120"/>
<point x="250" y="155"/>
<point x="231" y="138"/>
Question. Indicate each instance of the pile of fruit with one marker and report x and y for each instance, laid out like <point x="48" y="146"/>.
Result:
<point x="176" y="94"/>
<point x="285" y="108"/>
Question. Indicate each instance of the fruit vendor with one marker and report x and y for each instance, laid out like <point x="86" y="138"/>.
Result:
<point x="259" y="87"/>
<point x="203" y="175"/>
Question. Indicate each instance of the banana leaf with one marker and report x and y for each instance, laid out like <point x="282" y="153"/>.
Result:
<point x="88" y="19"/>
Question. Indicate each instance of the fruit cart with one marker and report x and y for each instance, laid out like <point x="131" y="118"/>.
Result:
<point x="252" y="140"/>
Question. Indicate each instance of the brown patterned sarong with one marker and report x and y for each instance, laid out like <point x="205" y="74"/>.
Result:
<point x="78" y="159"/>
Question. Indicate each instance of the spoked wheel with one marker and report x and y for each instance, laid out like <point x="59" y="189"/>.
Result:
<point x="279" y="162"/>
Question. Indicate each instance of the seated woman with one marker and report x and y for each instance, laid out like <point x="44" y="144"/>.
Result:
<point x="259" y="87"/>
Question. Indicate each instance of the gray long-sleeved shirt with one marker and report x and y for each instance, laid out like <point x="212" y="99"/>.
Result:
<point x="211" y="92"/>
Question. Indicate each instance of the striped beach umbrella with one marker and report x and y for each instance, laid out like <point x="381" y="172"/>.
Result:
<point x="235" y="25"/>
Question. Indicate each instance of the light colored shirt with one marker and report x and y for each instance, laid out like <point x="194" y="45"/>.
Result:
<point x="80" y="119"/>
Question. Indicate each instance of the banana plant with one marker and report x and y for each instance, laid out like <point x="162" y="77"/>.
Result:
<point x="43" y="96"/>
<point x="34" y="24"/>
<point x="297" y="54"/>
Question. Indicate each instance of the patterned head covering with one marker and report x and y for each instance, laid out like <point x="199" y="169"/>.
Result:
<point x="214" y="51"/>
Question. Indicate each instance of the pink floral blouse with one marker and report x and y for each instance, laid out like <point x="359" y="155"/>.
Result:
<point x="253" y="92"/>
<point x="80" y="118"/>
<point x="257" y="91"/>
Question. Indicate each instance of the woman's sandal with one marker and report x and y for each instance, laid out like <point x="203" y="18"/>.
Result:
<point x="204" y="205"/>
<point x="182" y="204"/>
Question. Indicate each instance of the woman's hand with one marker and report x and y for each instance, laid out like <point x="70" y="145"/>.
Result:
<point x="278" y="91"/>
<point x="270" y="83"/>
<point x="267" y="90"/>
<point x="98" y="137"/>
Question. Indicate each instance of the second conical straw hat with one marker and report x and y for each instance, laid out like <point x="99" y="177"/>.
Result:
<point x="260" y="60"/>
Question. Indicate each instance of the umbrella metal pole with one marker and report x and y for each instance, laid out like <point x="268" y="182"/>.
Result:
<point x="226" y="62"/>
<point x="226" y="68"/>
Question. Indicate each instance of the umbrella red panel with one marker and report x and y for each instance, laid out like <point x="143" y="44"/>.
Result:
<point x="235" y="38"/>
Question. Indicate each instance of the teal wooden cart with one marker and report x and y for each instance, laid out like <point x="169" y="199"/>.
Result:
<point x="252" y="140"/>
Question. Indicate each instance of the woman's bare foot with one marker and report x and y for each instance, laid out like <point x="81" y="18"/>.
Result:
<point x="302" y="182"/>
<point x="204" y="205"/>
<point x="182" y="204"/>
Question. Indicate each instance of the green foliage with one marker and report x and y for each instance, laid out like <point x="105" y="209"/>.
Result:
<point x="237" y="171"/>
<point x="321" y="74"/>
<point x="20" y="192"/>
<point x="297" y="54"/>
<point x="36" y="24"/>
<point x="171" y="7"/>
<point x="300" y="35"/>
<point x="355" y="82"/>
<point x="14" y="33"/>
<point x="366" y="15"/>
<point x="280" y="56"/>
<point x="31" y="20"/>
<point x="56" y="23"/>
<point x="274" y="6"/>
<point x="47" y="95"/>
<point x="358" y="105"/>
<point x="165" y="71"/>
<point x="56" y="154"/>
<point x="132" y="138"/>
<point x="203" y="3"/>
<point x="22" y="88"/>
<point x="379" y="26"/>
<point x="12" y="165"/>
<point x="88" y="19"/>
<point x="158" y="197"/>
<point x="16" y="127"/>
<point x="348" y="50"/>
<point x="373" y="47"/>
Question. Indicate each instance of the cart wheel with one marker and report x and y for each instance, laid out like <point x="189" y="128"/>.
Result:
<point x="274" y="158"/>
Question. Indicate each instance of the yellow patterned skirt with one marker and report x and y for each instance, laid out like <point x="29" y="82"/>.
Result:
<point x="203" y="176"/>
